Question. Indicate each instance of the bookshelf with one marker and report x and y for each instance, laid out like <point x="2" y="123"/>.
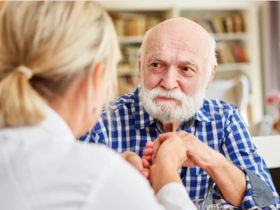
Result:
<point x="218" y="37"/>
<point x="239" y="42"/>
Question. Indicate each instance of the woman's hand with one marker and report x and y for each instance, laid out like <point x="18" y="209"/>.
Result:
<point x="169" y="147"/>
<point x="169" y="154"/>
<point x="136" y="162"/>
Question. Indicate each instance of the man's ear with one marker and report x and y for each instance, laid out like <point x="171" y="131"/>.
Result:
<point x="212" y="76"/>
<point x="97" y="79"/>
<point x="139" y="66"/>
<point x="139" y="62"/>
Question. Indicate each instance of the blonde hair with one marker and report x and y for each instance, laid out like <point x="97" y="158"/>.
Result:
<point x="58" y="42"/>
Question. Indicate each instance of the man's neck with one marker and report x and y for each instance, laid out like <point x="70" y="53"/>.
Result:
<point x="172" y="127"/>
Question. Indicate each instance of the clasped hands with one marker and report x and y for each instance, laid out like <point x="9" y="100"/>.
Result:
<point x="178" y="149"/>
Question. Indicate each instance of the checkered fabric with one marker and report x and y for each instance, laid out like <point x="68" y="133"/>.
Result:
<point x="126" y="126"/>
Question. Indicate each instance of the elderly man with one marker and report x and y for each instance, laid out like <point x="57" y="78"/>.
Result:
<point x="177" y="64"/>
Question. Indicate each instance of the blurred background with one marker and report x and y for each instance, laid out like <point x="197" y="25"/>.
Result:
<point x="248" y="44"/>
<point x="247" y="36"/>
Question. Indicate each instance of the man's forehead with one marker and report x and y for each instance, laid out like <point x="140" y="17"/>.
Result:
<point x="179" y="38"/>
<point x="177" y="58"/>
<point x="176" y="54"/>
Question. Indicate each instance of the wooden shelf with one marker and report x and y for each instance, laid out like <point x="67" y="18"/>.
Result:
<point x="234" y="67"/>
<point x="231" y="36"/>
<point x="134" y="72"/>
<point x="218" y="37"/>
<point x="180" y="5"/>
<point x="130" y="39"/>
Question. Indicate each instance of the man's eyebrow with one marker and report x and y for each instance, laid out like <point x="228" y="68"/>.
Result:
<point x="189" y="62"/>
<point x="155" y="57"/>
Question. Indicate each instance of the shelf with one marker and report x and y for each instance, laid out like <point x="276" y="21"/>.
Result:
<point x="134" y="72"/>
<point x="180" y="5"/>
<point x="130" y="39"/>
<point x="231" y="36"/>
<point x="233" y="67"/>
<point x="218" y="37"/>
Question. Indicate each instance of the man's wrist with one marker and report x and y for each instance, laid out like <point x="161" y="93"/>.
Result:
<point x="217" y="164"/>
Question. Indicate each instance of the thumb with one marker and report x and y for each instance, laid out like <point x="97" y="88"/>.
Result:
<point x="146" y="173"/>
<point x="157" y="144"/>
<point x="135" y="160"/>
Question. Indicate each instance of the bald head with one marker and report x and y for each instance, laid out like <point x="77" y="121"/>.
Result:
<point x="184" y="33"/>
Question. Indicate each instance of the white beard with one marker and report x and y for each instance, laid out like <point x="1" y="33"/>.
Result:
<point x="169" y="111"/>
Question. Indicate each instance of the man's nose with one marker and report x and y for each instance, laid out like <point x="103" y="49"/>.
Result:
<point x="170" y="79"/>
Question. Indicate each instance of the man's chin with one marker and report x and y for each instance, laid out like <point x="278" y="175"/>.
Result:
<point x="166" y="107"/>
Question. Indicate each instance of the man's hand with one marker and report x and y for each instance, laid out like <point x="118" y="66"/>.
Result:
<point x="147" y="154"/>
<point x="199" y="154"/>
<point x="136" y="161"/>
<point x="229" y="178"/>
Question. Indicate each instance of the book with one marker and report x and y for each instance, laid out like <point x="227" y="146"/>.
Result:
<point x="230" y="54"/>
<point x="238" y="24"/>
<point x="240" y="54"/>
<point x="211" y="25"/>
<point x="229" y="24"/>
<point x="127" y="24"/>
<point x="218" y="25"/>
<point x="221" y="52"/>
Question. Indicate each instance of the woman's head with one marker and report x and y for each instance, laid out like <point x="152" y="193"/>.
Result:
<point x="61" y="43"/>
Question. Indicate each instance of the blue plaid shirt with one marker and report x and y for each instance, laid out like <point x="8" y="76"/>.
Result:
<point x="125" y="125"/>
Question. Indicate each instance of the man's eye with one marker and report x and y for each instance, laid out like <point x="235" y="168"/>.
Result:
<point x="156" y="65"/>
<point x="186" y="69"/>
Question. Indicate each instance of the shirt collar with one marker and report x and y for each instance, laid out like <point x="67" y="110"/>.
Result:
<point x="203" y="115"/>
<point x="56" y="125"/>
<point x="143" y="119"/>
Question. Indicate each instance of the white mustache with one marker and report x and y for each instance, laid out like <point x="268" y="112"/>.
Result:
<point x="172" y="94"/>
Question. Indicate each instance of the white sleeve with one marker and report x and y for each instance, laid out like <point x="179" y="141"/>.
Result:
<point x="174" y="196"/>
<point x="124" y="188"/>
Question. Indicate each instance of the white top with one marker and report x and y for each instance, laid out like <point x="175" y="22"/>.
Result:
<point x="44" y="167"/>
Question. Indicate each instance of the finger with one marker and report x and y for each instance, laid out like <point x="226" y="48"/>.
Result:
<point x="148" y="158"/>
<point x="123" y="155"/>
<point x="146" y="173"/>
<point x="150" y="144"/>
<point x="188" y="163"/>
<point x="145" y="163"/>
<point x="157" y="144"/>
<point x="148" y="151"/>
<point x="182" y="133"/>
<point x="135" y="160"/>
<point x="162" y="137"/>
